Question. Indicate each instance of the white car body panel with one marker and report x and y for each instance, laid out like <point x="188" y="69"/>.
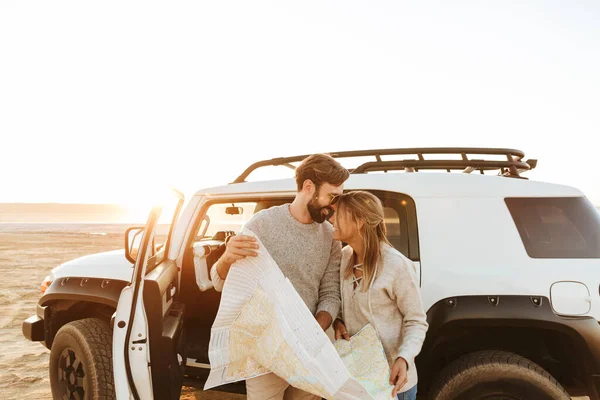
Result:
<point x="107" y="265"/>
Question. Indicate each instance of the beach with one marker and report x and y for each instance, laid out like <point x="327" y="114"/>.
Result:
<point x="27" y="254"/>
<point x="26" y="257"/>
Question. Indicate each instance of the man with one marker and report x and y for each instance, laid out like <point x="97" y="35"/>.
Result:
<point x="303" y="247"/>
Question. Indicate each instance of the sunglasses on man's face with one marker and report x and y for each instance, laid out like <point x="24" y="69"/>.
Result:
<point x="333" y="198"/>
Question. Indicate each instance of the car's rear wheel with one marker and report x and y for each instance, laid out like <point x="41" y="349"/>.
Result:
<point x="496" y="375"/>
<point x="81" y="361"/>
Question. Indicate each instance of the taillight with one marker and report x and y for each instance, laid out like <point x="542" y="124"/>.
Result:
<point x="45" y="283"/>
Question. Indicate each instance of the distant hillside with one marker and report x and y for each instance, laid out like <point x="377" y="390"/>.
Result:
<point x="55" y="212"/>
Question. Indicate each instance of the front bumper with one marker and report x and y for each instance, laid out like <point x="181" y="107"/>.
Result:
<point x="34" y="327"/>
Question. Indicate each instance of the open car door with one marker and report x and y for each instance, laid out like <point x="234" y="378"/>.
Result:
<point x="148" y="337"/>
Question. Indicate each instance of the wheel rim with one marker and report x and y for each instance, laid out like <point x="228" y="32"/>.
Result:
<point x="71" y="375"/>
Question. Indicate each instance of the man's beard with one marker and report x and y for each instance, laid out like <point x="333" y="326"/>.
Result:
<point x="316" y="211"/>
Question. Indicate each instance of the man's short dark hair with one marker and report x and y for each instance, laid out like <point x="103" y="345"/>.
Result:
<point x="321" y="168"/>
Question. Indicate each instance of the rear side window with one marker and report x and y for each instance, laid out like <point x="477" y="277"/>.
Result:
<point x="401" y="222"/>
<point x="557" y="227"/>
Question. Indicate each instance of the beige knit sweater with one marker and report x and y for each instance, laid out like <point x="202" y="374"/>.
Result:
<point x="395" y="309"/>
<point x="306" y="254"/>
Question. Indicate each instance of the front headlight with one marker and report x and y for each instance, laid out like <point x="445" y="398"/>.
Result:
<point x="45" y="283"/>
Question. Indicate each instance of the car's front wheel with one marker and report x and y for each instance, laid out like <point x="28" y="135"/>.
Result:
<point x="81" y="361"/>
<point x="496" y="375"/>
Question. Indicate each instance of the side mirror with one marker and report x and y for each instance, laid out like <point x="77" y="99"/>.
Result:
<point x="133" y="240"/>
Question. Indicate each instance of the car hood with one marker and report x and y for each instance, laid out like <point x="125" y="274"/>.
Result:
<point x="107" y="265"/>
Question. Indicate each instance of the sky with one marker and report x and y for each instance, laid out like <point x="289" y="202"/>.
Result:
<point x="103" y="102"/>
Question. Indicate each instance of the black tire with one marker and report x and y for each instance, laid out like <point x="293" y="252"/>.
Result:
<point x="495" y="375"/>
<point x="81" y="361"/>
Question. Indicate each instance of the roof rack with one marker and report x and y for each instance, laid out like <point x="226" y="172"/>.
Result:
<point x="513" y="166"/>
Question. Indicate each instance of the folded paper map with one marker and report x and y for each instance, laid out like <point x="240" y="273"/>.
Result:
<point x="364" y="357"/>
<point x="264" y="326"/>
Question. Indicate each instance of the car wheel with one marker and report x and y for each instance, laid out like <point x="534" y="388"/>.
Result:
<point x="81" y="361"/>
<point x="495" y="375"/>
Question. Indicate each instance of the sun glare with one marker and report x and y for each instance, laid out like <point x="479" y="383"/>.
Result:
<point x="138" y="207"/>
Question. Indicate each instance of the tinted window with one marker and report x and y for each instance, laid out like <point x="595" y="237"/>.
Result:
<point x="557" y="227"/>
<point x="401" y="222"/>
<point x="394" y="230"/>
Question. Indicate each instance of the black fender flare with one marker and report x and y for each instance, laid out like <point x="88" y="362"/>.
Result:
<point x="93" y="290"/>
<point x="75" y="290"/>
<point x="491" y="311"/>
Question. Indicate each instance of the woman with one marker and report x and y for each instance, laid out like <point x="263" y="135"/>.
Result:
<point x="378" y="286"/>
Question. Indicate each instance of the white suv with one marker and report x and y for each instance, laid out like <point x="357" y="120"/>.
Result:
<point x="508" y="267"/>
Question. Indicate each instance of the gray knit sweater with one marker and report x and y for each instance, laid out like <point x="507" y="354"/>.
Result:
<point x="306" y="254"/>
<point x="396" y="311"/>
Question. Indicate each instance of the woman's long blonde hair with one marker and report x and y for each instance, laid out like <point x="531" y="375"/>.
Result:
<point x="366" y="208"/>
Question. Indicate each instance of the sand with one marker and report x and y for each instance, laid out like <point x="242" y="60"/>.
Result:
<point x="25" y="259"/>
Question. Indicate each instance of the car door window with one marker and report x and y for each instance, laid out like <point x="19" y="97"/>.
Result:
<point x="225" y="217"/>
